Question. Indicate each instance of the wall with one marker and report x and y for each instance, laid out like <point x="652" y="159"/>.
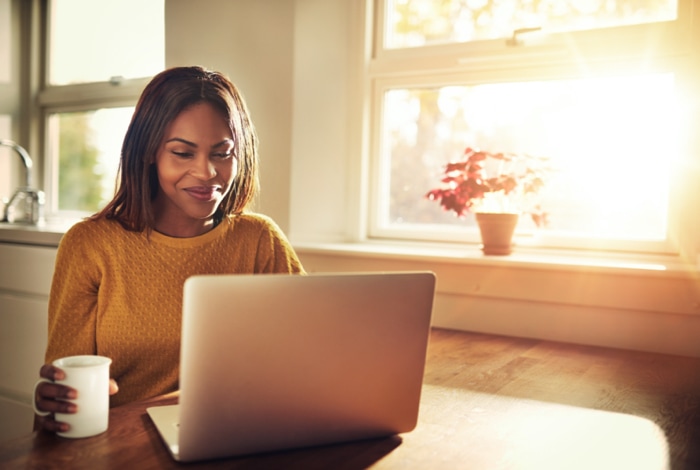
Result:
<point x="648" y="309"/>
<point x="252" y="43"/>
<point x="291" y="60"/>
<point x="326" y="152"/>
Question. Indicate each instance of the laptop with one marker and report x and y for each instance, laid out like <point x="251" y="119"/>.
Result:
<point x="274" y="362"/>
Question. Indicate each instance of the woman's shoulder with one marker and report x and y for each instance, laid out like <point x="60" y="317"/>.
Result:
<point x="253" y="227"/>
<point x="253" y="221"/>
<point x="93" y="229"/>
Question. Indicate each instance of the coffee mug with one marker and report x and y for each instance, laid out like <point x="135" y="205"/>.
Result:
<point x="89" y="375"/>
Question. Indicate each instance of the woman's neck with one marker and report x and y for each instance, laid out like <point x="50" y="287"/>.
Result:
<point x="182" y="229"/>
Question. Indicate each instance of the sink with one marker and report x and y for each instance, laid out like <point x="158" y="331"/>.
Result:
<point x="25" y="207"/>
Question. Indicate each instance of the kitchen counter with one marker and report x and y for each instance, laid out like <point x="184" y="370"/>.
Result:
<point x="44" y="234"/>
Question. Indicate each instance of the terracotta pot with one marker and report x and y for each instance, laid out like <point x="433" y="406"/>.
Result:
<point x="496" y="232"/>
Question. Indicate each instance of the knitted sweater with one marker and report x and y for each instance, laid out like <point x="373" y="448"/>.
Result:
<point x="118" y="293"/>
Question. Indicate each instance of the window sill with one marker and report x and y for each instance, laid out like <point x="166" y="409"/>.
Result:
<point x="522" y="257"/>
<point x="48" y="233"/>
<point x="532" y="279"/>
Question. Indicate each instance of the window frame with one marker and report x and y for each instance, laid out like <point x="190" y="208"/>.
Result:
<point x="549" y="57"/>
<point x="77" y="98"/>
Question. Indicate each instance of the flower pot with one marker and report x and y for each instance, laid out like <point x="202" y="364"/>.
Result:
<point x="496" y="232"/>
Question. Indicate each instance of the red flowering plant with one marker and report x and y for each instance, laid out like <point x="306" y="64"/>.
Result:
<point x="493" y="182"/>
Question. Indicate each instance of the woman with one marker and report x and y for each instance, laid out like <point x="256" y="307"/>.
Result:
<point x="188" y="171"/>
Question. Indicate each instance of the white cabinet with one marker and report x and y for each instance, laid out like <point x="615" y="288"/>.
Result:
<point x="25" y="281"/>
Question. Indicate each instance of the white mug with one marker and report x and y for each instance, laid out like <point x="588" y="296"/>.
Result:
<point x="89" y="375"/>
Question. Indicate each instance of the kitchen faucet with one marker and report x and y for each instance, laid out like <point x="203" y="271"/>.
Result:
<point x="27" y="204"/>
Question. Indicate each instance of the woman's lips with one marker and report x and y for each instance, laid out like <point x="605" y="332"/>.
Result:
<point x="202" y="193"/>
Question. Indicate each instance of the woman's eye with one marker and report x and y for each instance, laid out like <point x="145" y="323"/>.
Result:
<point x="223" y="154"/>
<point x="182" y="154"/>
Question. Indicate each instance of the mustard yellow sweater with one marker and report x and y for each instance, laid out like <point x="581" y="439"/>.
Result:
<point x="119" y="294"/>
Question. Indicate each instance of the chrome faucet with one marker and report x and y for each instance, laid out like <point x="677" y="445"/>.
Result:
<point x="27" y="204"/>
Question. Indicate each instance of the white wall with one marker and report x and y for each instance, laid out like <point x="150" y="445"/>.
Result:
<point x="596" y="305"/>
<point x="326" y="152"/>
<point x="252" y="43"/>
<point x="299" y="63"/>
<point x="291" y="60"/>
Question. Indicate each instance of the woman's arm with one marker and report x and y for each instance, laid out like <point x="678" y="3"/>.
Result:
<point x="73" y="296"/>
<point x="72" y="312"/>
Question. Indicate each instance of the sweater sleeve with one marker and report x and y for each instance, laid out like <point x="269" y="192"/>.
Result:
<point x="73" y="297"/>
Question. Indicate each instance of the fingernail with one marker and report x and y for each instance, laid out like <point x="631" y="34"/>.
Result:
<point x="72" y="408"/>
<point x="72" y="394"/>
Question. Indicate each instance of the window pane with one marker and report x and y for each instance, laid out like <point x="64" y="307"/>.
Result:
<point x="611" y="142"/>
<point x="93" y="41"/>
<point x="89" y="145"/>
<point x="412" y="23"/>
<point x="5" y="41"/>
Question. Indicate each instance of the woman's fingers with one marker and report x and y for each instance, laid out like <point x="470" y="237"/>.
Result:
<point x="113" y="387"/>
<point x="50" y="398"/>
<point x="48" y="423"/>
<point x="51" y="372"/>
<point x="53" y="390"/>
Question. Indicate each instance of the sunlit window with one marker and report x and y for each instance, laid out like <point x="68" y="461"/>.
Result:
<point x="99" y="57"/>
<point x="5" y="42"/>
<point x="414" y="23"/>
<point x="602" y="169"/>
<point x="87" y="155"/>
<point x="93" y="41"/>
<point x="6" y="157"/>
<point x="609" y="122"/>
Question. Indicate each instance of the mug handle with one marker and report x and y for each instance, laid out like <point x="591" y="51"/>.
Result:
<point x="37" y="410"/>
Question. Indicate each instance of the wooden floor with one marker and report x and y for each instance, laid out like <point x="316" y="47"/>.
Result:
<point x="661" y="388"/>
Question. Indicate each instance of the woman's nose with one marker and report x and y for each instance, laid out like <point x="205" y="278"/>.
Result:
<point x="204" y="168"/>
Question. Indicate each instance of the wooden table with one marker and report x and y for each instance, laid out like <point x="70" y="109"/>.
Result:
<point x="488" y="402"/>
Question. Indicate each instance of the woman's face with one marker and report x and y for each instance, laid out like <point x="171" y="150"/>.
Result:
<point x="196" y="167"/>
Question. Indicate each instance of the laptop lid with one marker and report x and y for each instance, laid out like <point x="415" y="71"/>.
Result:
<point x="273" y="362"/>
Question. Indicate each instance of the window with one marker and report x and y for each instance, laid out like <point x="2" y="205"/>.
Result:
<point x="99" y="56"/>
<point x="595" y="86"/>
<point x="6" y="101"/>
<point x="85" y="153"/>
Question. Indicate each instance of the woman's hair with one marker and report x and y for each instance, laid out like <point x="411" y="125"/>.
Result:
<point x="164" y="98"/>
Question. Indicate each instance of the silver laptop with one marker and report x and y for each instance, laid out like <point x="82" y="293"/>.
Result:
<point x="274" y="362"/>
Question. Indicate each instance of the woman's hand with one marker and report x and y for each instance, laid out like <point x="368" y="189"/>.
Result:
<point x="49" y="397"/>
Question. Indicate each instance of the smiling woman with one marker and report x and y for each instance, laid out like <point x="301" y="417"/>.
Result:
<point x="189" y="167"/>
<point x="196" y="167"/>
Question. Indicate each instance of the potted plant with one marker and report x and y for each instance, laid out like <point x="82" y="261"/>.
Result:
<point x="497" y="188"/>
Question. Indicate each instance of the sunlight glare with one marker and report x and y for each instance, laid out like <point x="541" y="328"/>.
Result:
<point x="526" y="433"/>
<point x="626" y="160"/>
<point x="114" y="32"/>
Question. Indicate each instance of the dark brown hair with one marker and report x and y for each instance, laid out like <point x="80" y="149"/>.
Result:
<point x="164" y="98"/>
